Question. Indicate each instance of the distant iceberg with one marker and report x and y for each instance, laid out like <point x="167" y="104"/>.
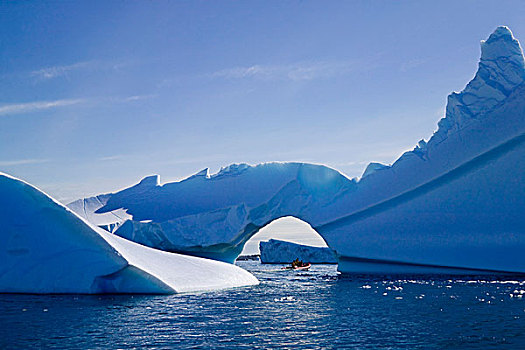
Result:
<point x="49" y="249"/>
<point x="455" y="203"/>
<point x="281" y="252"/>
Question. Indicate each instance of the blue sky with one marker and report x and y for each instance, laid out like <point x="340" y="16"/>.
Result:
<point x="96" y="95"/>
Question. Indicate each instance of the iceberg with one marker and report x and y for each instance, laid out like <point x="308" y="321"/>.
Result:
<point x="281" y="252"/>
<point x="86" y="208"/>
<point x="47" y="248"/>
<point x="453" y="204"/>
<point x="213" y="216"/>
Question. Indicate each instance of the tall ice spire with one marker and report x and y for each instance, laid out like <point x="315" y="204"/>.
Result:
<point x="501" y="69"/>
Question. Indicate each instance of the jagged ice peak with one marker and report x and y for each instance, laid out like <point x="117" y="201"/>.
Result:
<point x="501" y="43"/>
<point x="501" y="69"/>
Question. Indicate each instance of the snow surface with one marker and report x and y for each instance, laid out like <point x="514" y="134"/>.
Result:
<point x="49" y="249"/>
<point x="457" y="200"/>
<point x="282" y="252"/>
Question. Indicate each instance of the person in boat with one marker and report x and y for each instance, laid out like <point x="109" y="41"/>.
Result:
<point x="294" y="263"/>
<point x="297" y="263"/>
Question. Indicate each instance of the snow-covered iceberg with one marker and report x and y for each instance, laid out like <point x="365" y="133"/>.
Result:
<point x="281" y="252"/>
<point x="453" y="204"/>
<point x="46" y="248"/>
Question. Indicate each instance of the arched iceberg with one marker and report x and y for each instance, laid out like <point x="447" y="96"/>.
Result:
<point x="453" y="204"/>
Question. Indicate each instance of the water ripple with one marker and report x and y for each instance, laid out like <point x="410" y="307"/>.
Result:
<point x="317" y="309"/>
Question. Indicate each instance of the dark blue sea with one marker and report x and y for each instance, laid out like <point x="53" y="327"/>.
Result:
<point x="317" y="309"/>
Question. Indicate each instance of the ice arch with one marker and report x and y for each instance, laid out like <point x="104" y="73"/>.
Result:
<point x="467" y="218"/>
<point x="288" y="229"/>
<point x="214" y="216"/>
<point x="454" y="202"/>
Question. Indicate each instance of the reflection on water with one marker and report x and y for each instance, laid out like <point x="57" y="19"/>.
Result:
<point x="313" y="309"/>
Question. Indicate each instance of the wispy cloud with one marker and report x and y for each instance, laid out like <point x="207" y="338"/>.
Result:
<point x="112" y="158"/>
<point x="64" y="71"/>
<point x="296" y="71"/>
<point x="28" y="107"/>
<point x="22" y="162"/>
<point x="60" y="71"/>
<point x="17" y="108"/>
<point x="134" y="98"/>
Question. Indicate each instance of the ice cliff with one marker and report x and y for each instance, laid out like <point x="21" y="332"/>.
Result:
<point x="453" y="204"/>
<point x="46" y="248"/>
<point x="282" y="252"/>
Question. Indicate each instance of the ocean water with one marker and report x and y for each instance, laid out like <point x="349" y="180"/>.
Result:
<point x="317" y="309"/>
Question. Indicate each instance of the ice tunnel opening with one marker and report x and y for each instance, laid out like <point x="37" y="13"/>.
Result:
<point x="288" y="228"/>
